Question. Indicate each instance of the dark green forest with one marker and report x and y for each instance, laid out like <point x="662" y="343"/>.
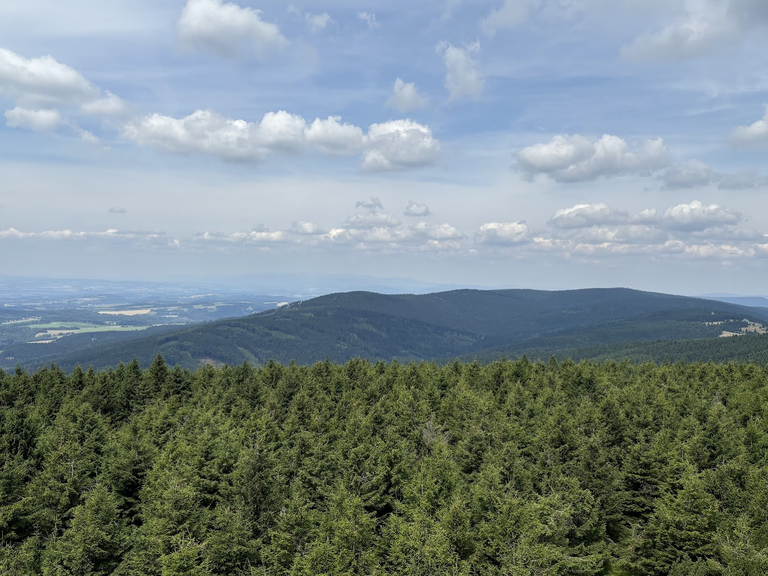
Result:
<point x="445" y="325"/>
<point x="752" y="348"/>
<point x="514" y="468"/>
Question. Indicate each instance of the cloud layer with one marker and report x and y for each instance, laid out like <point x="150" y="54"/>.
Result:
<point x="567" y="158"/>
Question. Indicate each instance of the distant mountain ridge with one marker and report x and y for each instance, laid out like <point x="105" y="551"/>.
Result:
<point x="457" y="323"/>
<point x="752" y="301"/>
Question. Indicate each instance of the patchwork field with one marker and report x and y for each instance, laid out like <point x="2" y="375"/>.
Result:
<point x="54" y="330"/>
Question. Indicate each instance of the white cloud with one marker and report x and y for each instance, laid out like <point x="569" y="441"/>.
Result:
<point x="228" y="29"/>
<point x="392" y="236"/>
<point x="509" y="15"/>
<point x="281" y="130"/>
<point x="439" y="232"/>
<point x="568" y="158"/>
<point x="369" y="18"/>
<point x="393" y="145"/>
<point x="418" y="210"/>
<point x="304" y="228"/>
<point x="585" y="215"/>
<point x="333" y="137"/>
<point x="42" y="86"/>
<point x="717" y="252"/>
<point x="400" y="145"/>
<point x="42" y="81"/>
<point x="405" y="97"/>
<point x="630" y="234"/>
<point x="669" y="248"/>
<point x="502" y="233"/>
<point x="372" y="204"/>
<point x="689" y="175"/>
<point x="463" y="77"/>
<point x="86" y="136"/>
<point x="37" y="120"/>
<point x="318" y="22"/>
<point x="206" y="132"/>
<point x="696" y="217"/>
<point x="756" y="133"/>
<point x="109" y="105"/>
<point x="117" y="210"/>
<point x="255" y="236"/>
<point x="111" y="235"/>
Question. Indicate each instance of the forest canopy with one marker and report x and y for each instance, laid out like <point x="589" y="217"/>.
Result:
<point x="517" y="467"/>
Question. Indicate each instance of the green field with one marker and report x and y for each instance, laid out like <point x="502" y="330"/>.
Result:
<point x="84" y="327"/>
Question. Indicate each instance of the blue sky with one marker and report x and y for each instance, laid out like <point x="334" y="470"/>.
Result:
<point x="520" y="143"/>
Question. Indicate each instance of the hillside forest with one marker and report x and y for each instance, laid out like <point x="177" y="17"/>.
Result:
<point x="514" y="468"/>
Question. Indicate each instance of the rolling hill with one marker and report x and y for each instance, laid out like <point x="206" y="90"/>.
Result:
<point x="460" y="323"/>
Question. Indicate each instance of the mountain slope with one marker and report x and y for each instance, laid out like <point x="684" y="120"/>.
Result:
<point x="433" y="326"/>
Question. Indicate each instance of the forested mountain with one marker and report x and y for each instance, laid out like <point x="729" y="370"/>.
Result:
<point x="516" y="468"/>
<point x="750" y="349"/>
<point x="433" y="326"/>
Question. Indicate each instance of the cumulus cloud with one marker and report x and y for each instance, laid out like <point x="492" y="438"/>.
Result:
<point x="585" y="215"/>
<point x="417" y="210"/>
<point x="42" y="82"/>
<point x="400" y="145"/>
<point x="42" y="87"/>
<point x="502" y="233"/>
<point x="439" y="232"/>
<point x="463" y="78"/>
<point x="575" y="158"/>
<point x="692" y="174"/>
<point x="228" y="29"/>
<point x="372" y="204"/>
<point x="318" y="22"/>
<point x="393" y="145"/>
<point x="369" y="18"/>
<point x="509" y="15"/>
<point x="406" y="98"/>
<point x="756" y="133"/>
<point x="333" y="137"/>
<point x="37" y="120"/>
<point x="206" y="132"/>
<point x="258" y="235"/>
<point x="697" y="217"/>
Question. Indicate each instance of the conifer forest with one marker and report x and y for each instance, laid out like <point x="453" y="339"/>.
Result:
<point x="513" y="468"/>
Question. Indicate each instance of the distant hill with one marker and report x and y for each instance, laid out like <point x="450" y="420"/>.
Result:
<point x="460" y="323"/>
<point x="754" y="301"/>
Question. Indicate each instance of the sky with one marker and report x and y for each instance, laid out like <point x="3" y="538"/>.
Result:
<point x="503" y="143"/>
